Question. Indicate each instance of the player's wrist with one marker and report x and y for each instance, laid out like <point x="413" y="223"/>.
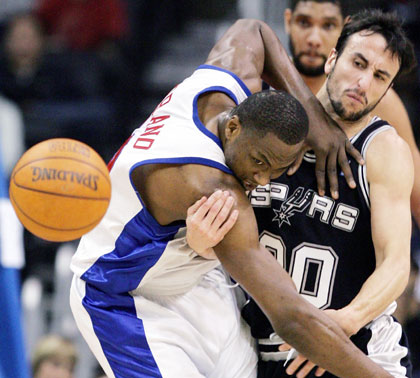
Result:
<point x="351" y="321"/>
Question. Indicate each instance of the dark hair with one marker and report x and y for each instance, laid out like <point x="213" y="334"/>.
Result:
<point x="390" y="27"/>
<point x="276" y="112"/>
<point x="294" y="3"/>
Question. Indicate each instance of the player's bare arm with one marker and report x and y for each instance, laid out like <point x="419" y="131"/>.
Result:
<point x="251" y="50"/>
<point x="392" y="109"/>
<point x="390" y="176"/>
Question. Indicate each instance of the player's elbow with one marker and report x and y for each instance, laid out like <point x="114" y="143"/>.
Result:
<point x="249" y="23"/>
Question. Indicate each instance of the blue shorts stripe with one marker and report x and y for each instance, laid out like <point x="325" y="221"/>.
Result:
<point x="120" y="333"/>
<point x="108" y="302"/>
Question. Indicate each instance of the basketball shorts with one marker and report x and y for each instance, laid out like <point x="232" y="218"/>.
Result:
<point x="196" y="334"/>
<point x="383" y="340"/>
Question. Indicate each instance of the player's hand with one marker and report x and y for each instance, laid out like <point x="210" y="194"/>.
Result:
<point x="342" y="318"/>
<point x="208" y="221"/>
<point x="301" y="362"/>
<point x="330" y="145"/>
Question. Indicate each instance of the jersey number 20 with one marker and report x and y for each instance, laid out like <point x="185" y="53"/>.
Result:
<point x="312" y="267"/>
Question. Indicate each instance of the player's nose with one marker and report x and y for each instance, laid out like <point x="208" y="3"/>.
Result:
<point x="314" y="38"/>
<point x="364" y="82"/>
<point x="262" y="178"/>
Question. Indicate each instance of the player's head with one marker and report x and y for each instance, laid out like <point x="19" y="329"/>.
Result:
<point x="371" y="52"/>
<point x="313" y="28"/>
<point x="263" y="135"/>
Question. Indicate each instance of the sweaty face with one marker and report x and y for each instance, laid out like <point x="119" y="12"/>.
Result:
<point x="360" y="77"/>
<point x="313" y="30"/>
<point x="255" y="160"/>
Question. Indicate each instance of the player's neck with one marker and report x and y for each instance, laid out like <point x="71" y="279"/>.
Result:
<point x="314" y="83"/>
<point x="351" y="128"/>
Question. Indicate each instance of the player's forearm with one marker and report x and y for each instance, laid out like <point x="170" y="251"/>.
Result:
<point x="319" y="338"/>
<point x="383" y="287"/>
<point x="330" y="351"/>
<point x="310" y="331"/>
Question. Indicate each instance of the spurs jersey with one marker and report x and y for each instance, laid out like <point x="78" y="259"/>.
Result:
<point x="145" y="302"/>
<point x="324" y="244"/>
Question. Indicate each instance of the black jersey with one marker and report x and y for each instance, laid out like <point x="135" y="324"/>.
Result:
<point x="327" y="248"/>
<point x="324" y="244"/>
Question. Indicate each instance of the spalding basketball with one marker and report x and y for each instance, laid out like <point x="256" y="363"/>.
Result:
<point x="60" y="189"/>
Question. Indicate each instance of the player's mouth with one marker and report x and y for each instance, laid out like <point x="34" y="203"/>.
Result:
<point x="355" y="97"/>
<point x="312" y="56"/>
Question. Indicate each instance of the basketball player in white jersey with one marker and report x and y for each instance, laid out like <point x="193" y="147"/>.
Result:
<point x="146" y="303"/>
<point x="352" y="256"/>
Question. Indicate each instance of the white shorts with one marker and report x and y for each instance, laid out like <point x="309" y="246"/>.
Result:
<point x="196" y="334"/>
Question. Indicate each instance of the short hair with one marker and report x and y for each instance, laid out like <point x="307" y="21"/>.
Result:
<point x="294" y="3"/>
<point x="390" y="27"/>
<point x="273" y="111"/>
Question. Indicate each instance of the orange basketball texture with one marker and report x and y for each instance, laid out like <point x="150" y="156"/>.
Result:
<point x="60" y="189"/>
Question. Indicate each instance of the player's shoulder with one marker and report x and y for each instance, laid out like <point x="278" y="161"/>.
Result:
<point x="205" y="180"/>
<point x="388" y="141"/>
<point x="388" y="154"/>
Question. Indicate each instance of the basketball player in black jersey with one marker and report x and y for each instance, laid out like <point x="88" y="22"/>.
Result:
<point x="313" y="27"/>
<point x="351" y="256"/>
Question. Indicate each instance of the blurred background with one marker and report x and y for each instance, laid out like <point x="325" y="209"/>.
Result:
<point x="93" y="70"/>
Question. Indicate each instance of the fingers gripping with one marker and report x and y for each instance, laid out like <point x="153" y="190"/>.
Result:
<point x="332" y="173"/>
<point x="192" y="209"/>
<point x="209" y="219"/>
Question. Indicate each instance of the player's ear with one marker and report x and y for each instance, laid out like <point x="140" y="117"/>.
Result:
<point x="287" y="20"/>
<point x="330" y="63"/>
<point x="347" y="20"/>
<point x="233" y="128"/>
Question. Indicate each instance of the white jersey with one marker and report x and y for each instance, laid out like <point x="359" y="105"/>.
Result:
<point x="148" y="305"/>
<point x="172" y="134"/>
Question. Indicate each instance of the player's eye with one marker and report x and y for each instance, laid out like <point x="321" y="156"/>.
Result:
<point x="329" y="26"/>
<point x="303" y="23"/>
<point x="380" y="77"/>
<point x="358" y="64"/>
<point x="258" y="161"/>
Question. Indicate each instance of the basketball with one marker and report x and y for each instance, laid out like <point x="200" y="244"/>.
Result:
<point x="60" y="189"/>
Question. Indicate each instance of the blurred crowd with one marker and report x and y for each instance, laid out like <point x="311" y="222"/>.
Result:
<point x="75" y="68"/>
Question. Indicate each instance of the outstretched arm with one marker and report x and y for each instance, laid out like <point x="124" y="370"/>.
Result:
<point x="292" y="317"/>
<point x="390" y="177"/>
<point x="251" y="50"/>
